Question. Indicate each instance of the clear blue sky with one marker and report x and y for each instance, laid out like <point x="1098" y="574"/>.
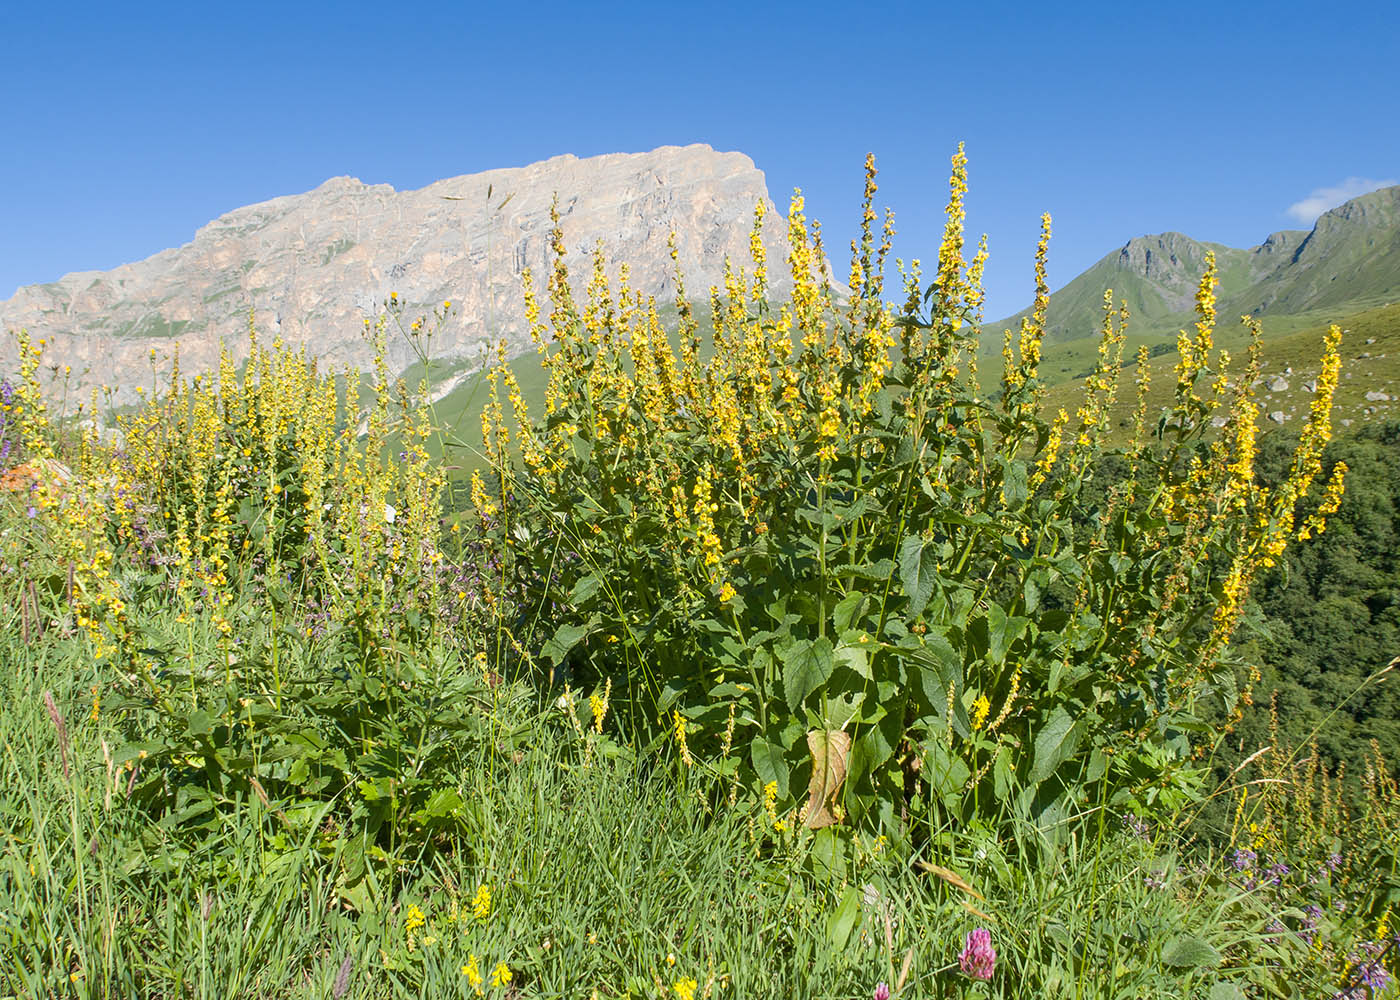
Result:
<point x="127" y="126"/>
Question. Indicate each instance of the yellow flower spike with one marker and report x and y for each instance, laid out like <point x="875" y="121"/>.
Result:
<point x="678" y="730"/>
<point x="599" y="705"/>
<point x="472" y="971"/>
<point x="481" y="902"/>
<point x="500" y="975"/>
<point x="759" y="255"/>
<point x="980" y="709"/>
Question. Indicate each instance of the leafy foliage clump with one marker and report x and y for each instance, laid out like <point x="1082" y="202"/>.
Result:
<point x="820" y="539"/>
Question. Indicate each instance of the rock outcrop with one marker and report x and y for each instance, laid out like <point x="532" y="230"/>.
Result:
<point x="312" y="266"/>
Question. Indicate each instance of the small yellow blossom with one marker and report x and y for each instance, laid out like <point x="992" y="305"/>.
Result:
<point x="481" y="902"/>
<point x="980" y="709"/>
<point x="685" y="989"/>
<point x="473" y="973"/>
<point x="500" y="975"/>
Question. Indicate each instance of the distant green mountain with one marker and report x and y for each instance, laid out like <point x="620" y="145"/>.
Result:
<point x="1350" y="261"/>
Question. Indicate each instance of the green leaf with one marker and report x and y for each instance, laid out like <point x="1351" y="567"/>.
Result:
<point x="1013" y="484"/>
<point x="876" y="742"/>
<point x="1002" y="633"/>
<point x="1054" y="744"/>
<point x="843" y="919"/>
<point x="853" y="653"/>
<point x="918" y="571"/>
<point x="878" y="571"/>
<point x="1225" y="991"/>
<point x="846" y="613"/>
<point x="770" y="764"/>
<point x="584" y="589"/>
<point x="940" y="669"/>
<point x="199" y="722"/>
<point x="806" y="666"/>
<point x="1031" y="591"/>
<point x="946" y="772"/>
<point x="1189" y="952"/>
<point x="565" y="638"/>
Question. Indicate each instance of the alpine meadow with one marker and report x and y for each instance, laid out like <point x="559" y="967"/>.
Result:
<point x="778" y="638"/>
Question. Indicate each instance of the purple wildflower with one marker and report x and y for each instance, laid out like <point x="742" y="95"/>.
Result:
<point x="1308" y="930"/>
<point x="1242" y="858"/>
<point x="978" y="959"/>
<point x="882" y="992"/>
<point x="1372" y="975"/>
<point x="1136" y="825"/>
<point x="1277" y="871"/>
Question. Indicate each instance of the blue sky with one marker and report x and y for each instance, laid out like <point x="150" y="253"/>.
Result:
<point x="127" y="126"/>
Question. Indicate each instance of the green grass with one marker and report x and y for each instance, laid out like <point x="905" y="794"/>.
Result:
<point x="608" y="876"/>
<point x="1366" y="367"/>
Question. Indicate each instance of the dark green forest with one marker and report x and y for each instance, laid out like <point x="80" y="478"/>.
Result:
<point x="1328" y="616"/>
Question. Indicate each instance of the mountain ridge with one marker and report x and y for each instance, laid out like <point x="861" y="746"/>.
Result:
<point x="1349" y="260"/>
<point x="311" y="266"/>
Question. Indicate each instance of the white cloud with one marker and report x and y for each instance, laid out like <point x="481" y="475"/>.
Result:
<point x="1307" y="210"/>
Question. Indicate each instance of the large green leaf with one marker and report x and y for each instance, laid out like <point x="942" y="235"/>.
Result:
<point x="876" y="743"/>
<point x="565" y="638"/>
<point x="1002" y="632"/>
<point x="843" y="919"/>
<point x="770" y="764"/>
<point x="806" y="666"/>
<point x="1189" y="952"/>
<point x="1013" y="484"/>
<point x="918" y="570"/>
<point x="940" y="668"/>
<point x="584" y="589"/>
<point x="848" y="611"/>
<point x="1054" y="744"/>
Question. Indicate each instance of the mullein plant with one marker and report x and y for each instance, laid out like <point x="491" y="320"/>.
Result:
<point x="261" y="563"/>
<point x="819" y="523"/>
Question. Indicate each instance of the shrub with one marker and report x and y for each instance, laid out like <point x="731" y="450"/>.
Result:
<point x="819" y="538"/>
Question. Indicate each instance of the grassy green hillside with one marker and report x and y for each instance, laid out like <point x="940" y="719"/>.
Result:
<point x="1348" y="263"/>
<point x="1371" y="364"/>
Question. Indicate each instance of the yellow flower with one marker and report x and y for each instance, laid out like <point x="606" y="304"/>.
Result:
<point x="980" y="708"/>
<point x="414" y="919"/>
<point x="500" y="975"/>
<point x="473" y="973"/>
<point x="678" y="729"/>
<point x="481" y="902"/>
<point x="726" y="592"/>
<point x="685" y="989"/>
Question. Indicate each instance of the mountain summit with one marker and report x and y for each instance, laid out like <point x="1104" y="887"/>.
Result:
<point x="1348" y="262"/>
<point x="312" y="266"/>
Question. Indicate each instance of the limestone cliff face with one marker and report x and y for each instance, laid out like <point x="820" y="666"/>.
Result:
<point x="1171" y="262"/>
<point x="312" y="266"/>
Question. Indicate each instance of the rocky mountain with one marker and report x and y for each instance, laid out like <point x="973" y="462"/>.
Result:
<point x="1348" y="262"/>
<point x="312" y="266"/>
